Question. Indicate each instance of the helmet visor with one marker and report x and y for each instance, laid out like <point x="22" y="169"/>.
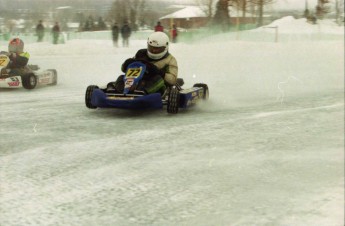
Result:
<point x="155" y="49"/>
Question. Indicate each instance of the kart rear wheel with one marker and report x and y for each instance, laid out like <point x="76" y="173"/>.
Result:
<point x="29" y="81"/>
<point x="173" y="101"/>
<point x="88" y="96"/>
<point x="206" y="91"/>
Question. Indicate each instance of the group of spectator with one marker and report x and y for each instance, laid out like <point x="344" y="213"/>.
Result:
<point x="173" y="31"/>
<point x="40" y="29"/>
<point x="125" y="32"/>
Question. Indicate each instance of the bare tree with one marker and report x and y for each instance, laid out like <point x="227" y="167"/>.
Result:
<point x="241" y="5"/>
<point x="322" y="8"/>
<point x="339" y="8"/>
<point x="207" y="7"/>
<point x="137" y="7"/>
<point x="306" y="12"/>
<point x="127" y="11"/>
<point x="119" y="11"/>
<point x="261" y="5"/>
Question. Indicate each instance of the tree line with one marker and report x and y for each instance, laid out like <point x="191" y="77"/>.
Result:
<point x="137" y="12"/>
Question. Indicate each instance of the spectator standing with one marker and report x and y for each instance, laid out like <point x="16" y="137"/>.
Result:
<point x="56" y="33"/>
<point x="40" y="31"/>
<point x="174" y="34"/>
<point x="125" y="33"/>
<point x="115" y="33"/>
<point x="159" y="27"/>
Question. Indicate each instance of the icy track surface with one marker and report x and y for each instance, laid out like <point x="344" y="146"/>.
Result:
<point x="266" y="149"/>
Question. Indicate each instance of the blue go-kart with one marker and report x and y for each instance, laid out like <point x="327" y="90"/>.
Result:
<point x="132" y="97"/>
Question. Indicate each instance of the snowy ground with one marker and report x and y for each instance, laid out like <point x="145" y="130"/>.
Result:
<point x="266" y="149"/>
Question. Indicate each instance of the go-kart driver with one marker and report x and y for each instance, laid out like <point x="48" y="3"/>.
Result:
<point x="161" y="65"/>
<point x="18" y="58"/>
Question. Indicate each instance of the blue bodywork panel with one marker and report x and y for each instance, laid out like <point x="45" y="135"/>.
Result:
<point x="134" y="73"/>
<point x="190" y="96"/>
<point x="100" y="99"/>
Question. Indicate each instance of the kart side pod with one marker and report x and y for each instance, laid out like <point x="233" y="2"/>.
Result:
<point x="186" y="97"/>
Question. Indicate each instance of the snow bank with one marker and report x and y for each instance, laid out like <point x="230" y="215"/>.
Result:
<point x="291" y="25"/>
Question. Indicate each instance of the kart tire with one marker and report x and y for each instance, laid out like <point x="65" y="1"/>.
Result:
<point x="88" y="95"/>
<point x="55" y="78"/>
<point x="29" y="81"/>
<point x="206" y="91"/>
<point x="180" y="81"/>
<point x="173" y="101"/>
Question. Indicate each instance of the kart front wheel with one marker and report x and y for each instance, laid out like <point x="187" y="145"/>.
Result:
<point x="88" y="96"/>
<point x="29" y="81"/>
<point x="205" y="88"/>
<point x="173" y="101"/>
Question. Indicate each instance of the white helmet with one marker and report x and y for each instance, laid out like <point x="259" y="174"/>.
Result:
<point x="157" y="45"/>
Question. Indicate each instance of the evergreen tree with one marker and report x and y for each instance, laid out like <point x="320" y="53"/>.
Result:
<point x="221" y="17"/>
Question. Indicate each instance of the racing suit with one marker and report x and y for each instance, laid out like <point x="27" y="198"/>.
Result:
<point x="18" y="61"/>
<point x="161" y="73"/>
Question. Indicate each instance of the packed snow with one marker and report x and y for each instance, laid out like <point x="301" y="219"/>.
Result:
<point x="267" y="148"/>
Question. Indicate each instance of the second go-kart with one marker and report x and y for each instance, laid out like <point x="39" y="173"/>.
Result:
<point x="30" y="79"/>
<point x="173" y="98"/>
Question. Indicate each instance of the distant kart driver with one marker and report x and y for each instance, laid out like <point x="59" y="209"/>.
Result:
<point x="162" y="69"/>
<point x="18" y="58"/>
